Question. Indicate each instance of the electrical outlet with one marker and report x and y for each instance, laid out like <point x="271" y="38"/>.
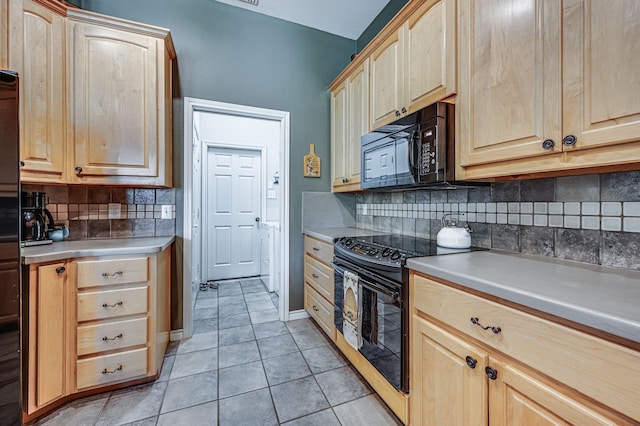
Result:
<point x="166" y="211"/>
<point x="114" y="210"/>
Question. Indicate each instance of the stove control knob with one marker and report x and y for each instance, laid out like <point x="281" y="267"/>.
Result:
<point x="386" y="252"/>
<point x="348" y="242"/>
<point x="396" y="255"/>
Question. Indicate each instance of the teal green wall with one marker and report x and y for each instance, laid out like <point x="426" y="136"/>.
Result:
<point x="229" y="54"/>
<point x="381" y="20"/>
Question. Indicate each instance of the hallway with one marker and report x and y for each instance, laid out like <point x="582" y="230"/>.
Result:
<point x="242" y="367"/>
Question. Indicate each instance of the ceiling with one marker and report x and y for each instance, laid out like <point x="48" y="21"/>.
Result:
<point x="346" y="18"/>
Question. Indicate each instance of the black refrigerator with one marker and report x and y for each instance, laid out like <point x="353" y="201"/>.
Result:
<point x="10" y="286"/>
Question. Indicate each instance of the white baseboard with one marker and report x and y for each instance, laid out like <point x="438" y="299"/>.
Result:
<point x="299" y="314"/>
<point x="176" y="335"/>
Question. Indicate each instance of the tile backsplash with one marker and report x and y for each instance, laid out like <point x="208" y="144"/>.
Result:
<point x="85" y="210"/>
<point x="590" y="218"/>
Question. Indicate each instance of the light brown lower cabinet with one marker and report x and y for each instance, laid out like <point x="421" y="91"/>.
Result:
<point x="532" y="371"/>
<point x="94" y="324"/>
<point x="319" y="284"/>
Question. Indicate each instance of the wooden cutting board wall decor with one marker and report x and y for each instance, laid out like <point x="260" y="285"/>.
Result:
<point x="311" y="163"/>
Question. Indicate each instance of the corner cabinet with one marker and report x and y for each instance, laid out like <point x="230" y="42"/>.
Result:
<point x="537" y="93"/>
<point x="94" y="324"/>
<point x="415" y="65"/>
<point x="119" y="80"/>
<point x="319" y="284"/>
<point x="462" y="374"/>
<point x="36" y="52"/>
<point x="350" y="120"/>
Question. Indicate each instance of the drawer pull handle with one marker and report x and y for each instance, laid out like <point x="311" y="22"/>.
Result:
<point x="106" y="339"/>
<point x="105" y="371"/>
<point x="471" y="362"/>
<point x="316" y="249"/>
<point x="106" y="305"/>
<point x="115" y="274"/>
<point x="315" y="276"/>
<point x="315" y="308"/>
<point x="476" y="321"/>
<point x="491" y="373"/>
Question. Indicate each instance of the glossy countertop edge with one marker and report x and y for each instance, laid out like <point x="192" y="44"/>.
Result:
<point x="328" y="235"/>
<point x="95" y="247"/>
<point x="602" y="298"/>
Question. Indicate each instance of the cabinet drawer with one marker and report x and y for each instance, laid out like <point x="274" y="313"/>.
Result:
<point x="320" y="276"/>
<point x="318" y="249"/>
<point x="111" y="368"/>
<point x="319" y="309"/>
<point x="93" y="305"/>
<point x="600" y="369"/>
<point x="114" y="271"/>
<point x="112" y="335"/>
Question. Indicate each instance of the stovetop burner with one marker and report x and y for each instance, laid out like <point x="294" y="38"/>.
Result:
<point x="391" y="250"/>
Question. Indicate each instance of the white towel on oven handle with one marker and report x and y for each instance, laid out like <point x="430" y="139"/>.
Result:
<point x="352" y="330"/>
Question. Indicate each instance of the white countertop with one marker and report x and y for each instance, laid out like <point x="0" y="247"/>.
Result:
<point x="606" y="299"/>
<point x="330" y="234"/>
<point x="98" y="247"/>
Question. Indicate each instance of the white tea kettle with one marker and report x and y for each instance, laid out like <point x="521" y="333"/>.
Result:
<point x="454" y="233"/>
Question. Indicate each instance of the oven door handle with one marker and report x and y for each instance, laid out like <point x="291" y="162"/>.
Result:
<point x="368" y="284"/>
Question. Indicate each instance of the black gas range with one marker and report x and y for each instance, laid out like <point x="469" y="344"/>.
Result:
<point x="379" y="262"/>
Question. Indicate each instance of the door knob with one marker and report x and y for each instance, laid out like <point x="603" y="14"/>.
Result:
<point x="257" y="219"/>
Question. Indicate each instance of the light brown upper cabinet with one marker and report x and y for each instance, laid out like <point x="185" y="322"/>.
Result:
<point x="349" y="121"/>
<point x="120" y="101"/>
<point x="36" y="52"/>
<point x="546" y="87"/>
<point x="415" y="65"/>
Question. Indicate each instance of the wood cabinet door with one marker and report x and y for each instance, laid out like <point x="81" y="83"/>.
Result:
<point x="509" y="99"/>
<point x="339" y="136"/>
<point x="430" y="54"/>
<point x="114" y="94"/>
<point x="37" y="43"/>
<point x="49" y="338"/>
<point x="387" y="81"/>
<point x="448" y="382"/>
<point x="520" y="399"/>
<point x="358" y="94"/>
<point x="601" y="69"/>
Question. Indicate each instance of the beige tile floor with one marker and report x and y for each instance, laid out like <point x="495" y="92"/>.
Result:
<point x="242" y="367"/>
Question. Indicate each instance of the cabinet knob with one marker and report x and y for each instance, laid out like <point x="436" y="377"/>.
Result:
<point x="471" y="362"/>
<point x="476" y="321"/>
<point x="491" y="373"/>
<point x="315" y="308"/>
<point x="404" y="110"/>
<point x="21" y="163"/>
<point x="60" y="269"/>
<point x="548" y="144"/>
<point x="569" y="140"/>
<point x="78" y="170"/>
<point x="397" y="113"/>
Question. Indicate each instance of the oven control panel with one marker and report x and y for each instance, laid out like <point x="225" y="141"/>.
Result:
<point x="371" y="252"/>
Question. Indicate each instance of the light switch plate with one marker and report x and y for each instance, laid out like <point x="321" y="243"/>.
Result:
<point x="114" y="210"/>
<point x="166" y="211"/>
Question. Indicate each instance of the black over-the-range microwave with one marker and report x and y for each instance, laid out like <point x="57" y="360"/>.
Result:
<point x="416" y="150"/>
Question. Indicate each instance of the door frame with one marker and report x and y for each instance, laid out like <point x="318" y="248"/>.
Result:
<point x="206" y="146"/>
<point x="191" y="106"/>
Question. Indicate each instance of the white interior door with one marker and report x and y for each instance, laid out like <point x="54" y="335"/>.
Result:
<point x="233" y="213"/>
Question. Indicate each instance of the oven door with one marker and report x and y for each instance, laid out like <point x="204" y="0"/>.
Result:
<point x="384" y="326"/>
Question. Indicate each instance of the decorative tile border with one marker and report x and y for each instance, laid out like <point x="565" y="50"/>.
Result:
<point x="605" y="216"/>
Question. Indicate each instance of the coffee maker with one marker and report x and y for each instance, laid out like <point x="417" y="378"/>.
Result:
<point x="36" y="219"/>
